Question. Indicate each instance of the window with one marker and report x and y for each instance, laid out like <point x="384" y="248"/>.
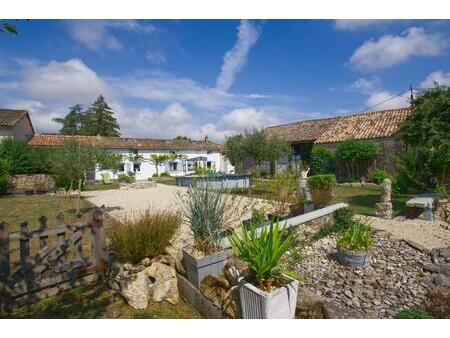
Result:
<point x="173" y="166"/>
<point x="136" y="166"/>
<point x="208" y="164"/>
<point x="122" y="167"/>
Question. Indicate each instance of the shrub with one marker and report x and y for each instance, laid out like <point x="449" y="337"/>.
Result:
<point x="415" y="313"/>
<point x="322" y="161"/>
<point x="377" y="176"/>
<point x="155" y="175"/>
<point x="438" y="302"/>
<point x="209" y="213"/>
<point x="321" y="187"/>
<point x="358" y="237"/>
<point x="164" y="174"/>
<point x="356" y="154"/>
<point x="124" y="178"/>
<point x="343" y="219"/>
<point x="145" y="236"/>
<point x="284" y="188"/>
<point x="4" y="177"/>
<point x="266" y="253"/>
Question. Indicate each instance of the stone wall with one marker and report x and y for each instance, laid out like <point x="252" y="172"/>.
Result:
<point x="26" y="184"/>
<point x="389" y="149"/>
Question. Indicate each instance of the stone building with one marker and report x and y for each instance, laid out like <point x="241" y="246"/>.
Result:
<point x="15" y="123"/>
<point x="375" y="126"/>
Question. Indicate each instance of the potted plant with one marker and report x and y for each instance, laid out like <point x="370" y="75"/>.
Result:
<point x="270" y="291"/>
<point x="284" y="189"/>
<point x="209" y="214"/>
<point x="303" y="206"/>
<point x="321" y="188"/>
<point x="354" y="244"/>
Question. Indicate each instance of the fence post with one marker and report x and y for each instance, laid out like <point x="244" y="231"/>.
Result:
<point x="98" y="242"/>
<point x="24" y="244"/>
<point x="43" y="240"/>
<point x="5" y="297"/>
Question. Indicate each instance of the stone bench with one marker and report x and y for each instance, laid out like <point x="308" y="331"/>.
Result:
<point x="426" y="202"/>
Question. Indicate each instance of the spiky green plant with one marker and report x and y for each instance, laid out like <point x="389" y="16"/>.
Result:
<point x="209" y="213"/>
<point x="358" y="237"/>
<point x="267" y="252"/>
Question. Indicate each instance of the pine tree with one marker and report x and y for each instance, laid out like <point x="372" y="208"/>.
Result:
<point x="100" y="120"/>
<point x="71" y="123"/>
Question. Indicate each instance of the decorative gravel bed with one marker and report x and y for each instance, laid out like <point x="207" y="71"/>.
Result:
<point x="394" y="280"/>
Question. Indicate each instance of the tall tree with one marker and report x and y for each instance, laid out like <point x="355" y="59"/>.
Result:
<point x="100" y="120"/>
<point x="159" y="159"/>
<point x="71" y="123"/>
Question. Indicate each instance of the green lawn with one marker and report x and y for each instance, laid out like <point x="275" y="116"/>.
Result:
<point x="165" y="180"/>
<point x="90" y="302"/>
<point x="362" y="199"/>
<point x="98" y="186"/>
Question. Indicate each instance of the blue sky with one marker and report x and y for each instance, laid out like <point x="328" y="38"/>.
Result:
<point x="217" y="77"/>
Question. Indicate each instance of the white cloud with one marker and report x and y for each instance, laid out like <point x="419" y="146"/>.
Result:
<point x="70" y="81"/>
<point x="439" y="77"/>
<point x="356" y="24"/>
<point x="246" y="119"/>
<point x="390" y="50"/>
<point x="163" y="87"/>
<point x="236" y="57"/>
<point x="96" y="35"/>
<point x="378" y="99"/>
<point x="156" y="57"/>
<point x="365" y="86"/>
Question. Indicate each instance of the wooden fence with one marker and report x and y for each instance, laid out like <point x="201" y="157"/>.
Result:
<point x="53" y="268"/>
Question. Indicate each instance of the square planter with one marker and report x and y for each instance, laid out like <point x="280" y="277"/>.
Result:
<point x="279" y="304"/>
<point x="199" y="268"/>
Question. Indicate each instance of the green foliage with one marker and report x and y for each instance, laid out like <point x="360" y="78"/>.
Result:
<point x="357" y="237"/>
<point x="413" y="176"/>
<point x="159" y="159"/>
<point x="164" y="174"/>
<point x="24" y="159"/>
<point x="255" y="146"/>
<point x="377" y="176"/>
<point x="125" y="178"/>
<point x="343" y="219"/>
<point x="284" y="188"/>
<point x="322" y="161"/>
<point x="145" y="236"/>
<point x="203" y="171"/>
<point x="155" y="175"/>
<point x="7" y="27"/>
<point x="208" y="213"/>
<point x="109" y="161"/>
<point x="258" y="217"/>
<point x="97" y="120"/>
<point x="4" y="176"/>
<point x="327" y="182"/>
<point x="267" y="253"/>
<point x="414" y="313"/>
<point x="356" y="155"/>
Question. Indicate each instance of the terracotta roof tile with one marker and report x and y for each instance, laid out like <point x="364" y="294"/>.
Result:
<point x="126" y="143"/>
<point x="10" y="117"/>
<point x="368" y="125"/>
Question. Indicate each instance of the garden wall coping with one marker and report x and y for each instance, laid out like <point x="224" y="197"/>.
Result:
<point x="298" y="220"/>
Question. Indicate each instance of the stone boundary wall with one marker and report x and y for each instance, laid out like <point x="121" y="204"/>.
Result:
<point x="26" y="184"/>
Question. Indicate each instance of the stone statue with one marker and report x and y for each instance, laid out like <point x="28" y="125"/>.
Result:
<point x="384" y="208"/>
<point x="303" y="186"/>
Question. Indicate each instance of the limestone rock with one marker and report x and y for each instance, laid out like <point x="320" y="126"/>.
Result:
<point x="215" y="288"/>
<point x="134" y="288"/>
<point x="309" y="304"/>
<point x="165" y="282"/>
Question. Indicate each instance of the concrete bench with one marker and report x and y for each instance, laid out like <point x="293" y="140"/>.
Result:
<point x="425" y="202"/>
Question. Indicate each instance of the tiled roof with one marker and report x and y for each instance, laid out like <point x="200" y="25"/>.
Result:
<point x="370" y="125"/>
<point x="10" y="117"/>
<point x="126" y="143"/>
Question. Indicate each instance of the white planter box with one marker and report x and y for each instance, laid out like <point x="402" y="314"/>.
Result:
<point x="279" y="304"/>
<point x="199" y="268"/>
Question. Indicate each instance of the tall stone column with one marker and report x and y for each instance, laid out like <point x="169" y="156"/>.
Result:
<point x="384" y="208"/>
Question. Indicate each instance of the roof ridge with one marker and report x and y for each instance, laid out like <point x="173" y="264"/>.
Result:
<point x="339" y="116"/>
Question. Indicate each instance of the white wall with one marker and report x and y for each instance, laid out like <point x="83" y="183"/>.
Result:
<point x="148" y="168"/>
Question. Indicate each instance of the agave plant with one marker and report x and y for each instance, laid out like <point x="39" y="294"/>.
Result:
<point x="209" y="213"/>
<point x="266" y="253"/>
<point x="358" y="237"/>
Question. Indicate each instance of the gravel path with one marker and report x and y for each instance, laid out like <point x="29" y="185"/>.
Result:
<point x="422" y="234"/>
<point x="394" y="280"/>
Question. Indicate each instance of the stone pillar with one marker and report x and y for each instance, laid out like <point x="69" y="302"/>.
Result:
<point x="384" y="208"/>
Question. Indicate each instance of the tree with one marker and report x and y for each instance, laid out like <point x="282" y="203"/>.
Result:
<point x="234" y="150"/>
<point x="100" y="120"/>
<point x="23" y="158"/>
<point x="7" y="27"/>
<point x="426" y="133"/>
<point x="355" y="154"/>
<point x="4" y="176"/>
<point x="159" y="159"/>
<point x="275" y="149"/>
<point x="72" y="122"/>
<point x="72" y="160"/>
<point x="322" y="161"/>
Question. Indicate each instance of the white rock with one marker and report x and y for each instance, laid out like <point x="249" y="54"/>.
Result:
<point x="134" y="289"/>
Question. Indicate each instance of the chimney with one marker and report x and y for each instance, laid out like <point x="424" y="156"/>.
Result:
<point x="206" y="137"/>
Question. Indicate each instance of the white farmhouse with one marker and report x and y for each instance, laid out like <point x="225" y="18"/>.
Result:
<point x="15" y="123"/>
<point x="201" y="154"/>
